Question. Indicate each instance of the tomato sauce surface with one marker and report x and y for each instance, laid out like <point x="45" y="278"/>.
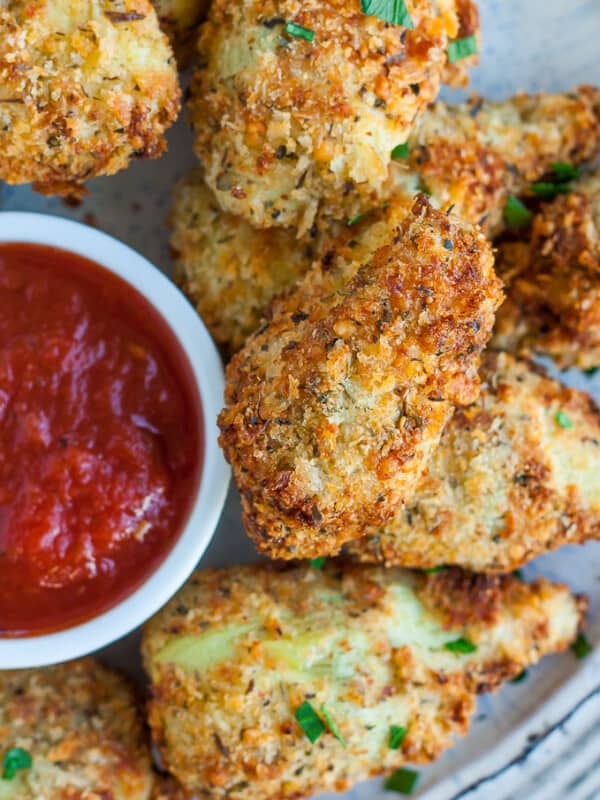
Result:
<point x="100" y="439"/>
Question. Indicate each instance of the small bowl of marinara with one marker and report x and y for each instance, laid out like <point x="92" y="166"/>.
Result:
<point x="111" y="478"/>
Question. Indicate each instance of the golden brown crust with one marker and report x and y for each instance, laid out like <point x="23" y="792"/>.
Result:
<point x="473" y="155"/>
<point x="283" y="124"/>
<point x="238" y="650"/>
<point x="83" y="90"/>
<point x="508" y="481"/>
<point x="553" y="279"/>
<point x="80" y="723"/>
<point x="180" y="20"/>
<point x="335" y="405"/>
<point x="229" y="269"/>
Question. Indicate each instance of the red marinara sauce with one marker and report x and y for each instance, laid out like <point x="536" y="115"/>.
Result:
<point x="100" y="439"/>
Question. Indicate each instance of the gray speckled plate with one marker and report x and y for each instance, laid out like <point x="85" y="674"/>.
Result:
<point x="538" y="739"/>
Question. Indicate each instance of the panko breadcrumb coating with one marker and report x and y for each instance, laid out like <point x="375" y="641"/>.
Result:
<point x="472" y="156"/>
<point x="335" y="405"/>
<point x="239" y="650"/>
<point x="283" y="123"/>
<point x="515" y="475"/>
<point x="84" y="88"/>
<point x="229" y="269"/>
<point x="81" y="725"/>
<point x="180" y="20"/>
<point x="553" y="280"/>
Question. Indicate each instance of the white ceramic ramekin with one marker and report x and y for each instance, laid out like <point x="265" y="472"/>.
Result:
<point x="206" y="509"/>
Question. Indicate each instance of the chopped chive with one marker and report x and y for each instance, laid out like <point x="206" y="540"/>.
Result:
<point x="563" y="173"/>
<point x="332" y="726"/>
<point x="516" y="215"/>
<point x="394" y="11"/>
<point x="401" y="151"/>
<point x="359" y="217"/>
<point x="461" y="646"/>
<point x="548" y="190"/>
<point x="581" y="647"/>
<point x="518" y="574"/>
<point x="563" y="420"/>
<point x="522" y="676"/>
<point x="433" y="570"/>
<point x="462" y="48"/>
<point x="299" y="31"/>
<point x="591" y="371"/>
<point x="309" y="721"/>
<point x="15" y="759"/>
<point x="402" y="781"/>
<point x="355" y="220"/>
<point x="397" y="736"/>
<point x="317" y="563"/>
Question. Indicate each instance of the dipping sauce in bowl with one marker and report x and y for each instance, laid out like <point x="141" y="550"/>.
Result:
<point x="100" y="439"/>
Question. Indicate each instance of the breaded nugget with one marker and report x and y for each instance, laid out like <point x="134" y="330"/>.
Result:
<point x="553" y="280"/>
<point x="84" y="88"/>
<point x="335" y="405"/>
<point x="515" y="475"/>
<point x="237" y="656"/>
<point x="180" y="19"/>
<point x="80" y="724"/>
<point x="474" y="155"/>
<point x="229" y="269"/>
<point x="289" y="117"/>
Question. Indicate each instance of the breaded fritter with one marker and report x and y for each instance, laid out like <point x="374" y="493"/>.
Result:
<point x="335" y="405"/>
<point x="474" y="155"/>
<point x="239" y="650"/>
<point x="286" y="119"/>
<point x="180" y="19"/>
<point x="515" y="475"/>
<point x="553" y="280"/>
<point x="81" y="725"/>
<point x="84" y="88"/>
<point x="229" y="269"/>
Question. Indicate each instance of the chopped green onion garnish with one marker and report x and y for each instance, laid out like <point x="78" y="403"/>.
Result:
<point x="401" y="151"/>
<point x="516" y="215"/>
<point x="397" y="734"/>
<point x="518" y="573"/>
<point x="332" y="726"/>
<point x="309" y="721"/>
<point x="317" y="563"/>
<point x="299" y="31"/>
<point x="591" y="371"/>
<point x="461" y="646"/>
<point x="461" y="48"/>
<point x="402" y="781"/>
<point x="547" y="190"/>
<point x="522" y="676"/>
<point x="433" y="570"/>
<point x="581" y="647"/>
<point x="563" y="420"/>
<point x="15" y="759"/>
<point x="394" y="11"/>
<point x="562" y="173"/>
